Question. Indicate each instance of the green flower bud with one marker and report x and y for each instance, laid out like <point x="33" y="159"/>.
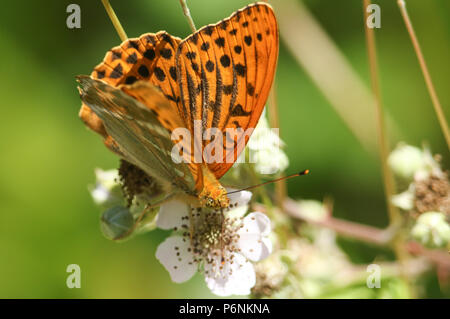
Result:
<point x="117" y="223"/>
<point x="406" y="160"/>
<point x="432" y="230"/>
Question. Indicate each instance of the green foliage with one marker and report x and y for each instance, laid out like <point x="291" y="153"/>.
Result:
<point x="48" y="219"/>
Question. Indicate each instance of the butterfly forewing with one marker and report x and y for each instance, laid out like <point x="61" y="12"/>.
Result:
<point x="136" y="129"/>
<point x="151" y="57"/>
<point x="225" y="72"/>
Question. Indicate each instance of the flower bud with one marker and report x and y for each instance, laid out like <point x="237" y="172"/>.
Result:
<point x="404" y="200"/>
<point x="406" y="160"/>
<point x="432" y="230"/>
<point x="116" y="222"/>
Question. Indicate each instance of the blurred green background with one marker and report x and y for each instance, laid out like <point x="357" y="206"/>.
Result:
<point x="48" y="219"/>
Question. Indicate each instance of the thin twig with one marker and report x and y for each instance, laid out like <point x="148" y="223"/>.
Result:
<point x="383" y="142"/>
<point x="115" y="21"/>
<point x="274" y="121"/>
<point x="395" y="218"/>
<point x="434" y="98"/>
<point x="187" y="14"/>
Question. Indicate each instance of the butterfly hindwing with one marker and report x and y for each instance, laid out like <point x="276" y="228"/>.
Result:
<point x="225" y="72"/>
<point x="135" y="127"/>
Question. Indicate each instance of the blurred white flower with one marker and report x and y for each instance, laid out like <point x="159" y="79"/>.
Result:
<point x="311" y="210"/>
<point x="410" y="162"/>
<point x="265" y="149"/>
<point x="432" y="230"/>
<point x="219" y="244"/>
<point x="106" y="191"/>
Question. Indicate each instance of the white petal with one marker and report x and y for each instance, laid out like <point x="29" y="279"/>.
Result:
<point x="255" y="247"/>
<point x="175" y="255"/>
<point x="240" y="198"/>
<point x="253" y="241"/>
<point x="171" y="215"/>
<point x="239" y="282"/>
<point x="256" y="223"/>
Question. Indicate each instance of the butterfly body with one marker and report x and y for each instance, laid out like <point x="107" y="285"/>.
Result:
<point x="148" y="87"/>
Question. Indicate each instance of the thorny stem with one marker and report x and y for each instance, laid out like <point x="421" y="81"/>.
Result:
<point x="115" y="21"/>
<point x="187" y="14"/>
<point x="369" y="234"/>
<point x="434" y="98"/>
<point x="394" y="215"/>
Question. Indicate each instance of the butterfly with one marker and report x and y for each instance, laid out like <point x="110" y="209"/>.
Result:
<point x="148" y="87"/>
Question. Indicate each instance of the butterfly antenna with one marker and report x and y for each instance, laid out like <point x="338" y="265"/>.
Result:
<point x="305" y="172"/>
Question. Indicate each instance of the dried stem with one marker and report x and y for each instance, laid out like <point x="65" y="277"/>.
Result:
<point x="274" y="121"/>
<point x="434" y="98"/>
<point x="187" y="14"/>
<point x="395" y="217"/>
<point x="115" y="21"/>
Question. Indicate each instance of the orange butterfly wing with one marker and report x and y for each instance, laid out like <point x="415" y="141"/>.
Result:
<point x="225" y="72"/>
<point x="151" y="57"/>
<point x="220" y="75"/>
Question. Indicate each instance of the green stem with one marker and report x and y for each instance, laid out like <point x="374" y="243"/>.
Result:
<point x="395" y="218"/>
<point x="115" y="21"/>
<point x="187" y="14"/>
<point x="434" y="98"/>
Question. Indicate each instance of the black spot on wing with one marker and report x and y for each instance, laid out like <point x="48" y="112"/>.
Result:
<point x="132" y="58"/>
<point x="240" y="69"/>
<point x="116" y="55"/>
<point x="220" y="42"/>
<point x="149" y="54"/>
<point x="208" y="30"/>
<point x="248" y="40"/>
<point x="225" y="60"/>
<point x="100" y="74"/>
<point x="130" y="80"/>
<point x="133" y="44"/>
<point x="166" y="53"/>
<point x="209" y="66"/>
<point x="250" y="89"/>
<point x="238" y="110"/>
<point x="117" y="72"/>
<point x="205" y="46"/>
<point x="143" y="71"/>
<point x="191" y="55"/>
<point x="159" y="73"/>
<point x="173" y="73"/>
